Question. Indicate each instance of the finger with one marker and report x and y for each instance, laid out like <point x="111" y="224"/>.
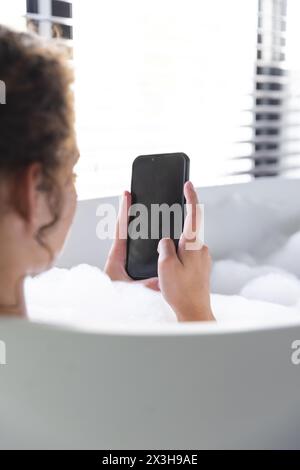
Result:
<point x="192" y="221"/>
<point x="167" y="254"/>
<point x="119" y="247"/>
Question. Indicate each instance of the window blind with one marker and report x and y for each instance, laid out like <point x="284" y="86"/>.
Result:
<point x="274" y="145"/>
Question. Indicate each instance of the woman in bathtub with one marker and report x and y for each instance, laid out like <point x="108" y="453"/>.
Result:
<point x="38" y="152"/>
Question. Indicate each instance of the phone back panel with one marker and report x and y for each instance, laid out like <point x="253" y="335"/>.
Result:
<point x="158" y="209"/>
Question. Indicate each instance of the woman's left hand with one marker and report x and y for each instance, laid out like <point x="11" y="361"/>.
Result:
<point x="115" y="264"/>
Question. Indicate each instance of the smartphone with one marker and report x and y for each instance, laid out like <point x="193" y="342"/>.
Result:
<point x="157" y="209"/>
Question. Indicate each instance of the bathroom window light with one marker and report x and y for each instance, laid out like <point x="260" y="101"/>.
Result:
<point x="13" y="13"/>
<point x="218" y="80"/>
<point x="161" y="77"/>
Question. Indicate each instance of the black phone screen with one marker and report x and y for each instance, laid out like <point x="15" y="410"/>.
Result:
<point x="157" y="209"/>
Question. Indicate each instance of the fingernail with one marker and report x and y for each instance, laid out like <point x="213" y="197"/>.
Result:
<point x="190" y="185"/>
<point x="163" y="245"/>
<point x="160" y="244"/>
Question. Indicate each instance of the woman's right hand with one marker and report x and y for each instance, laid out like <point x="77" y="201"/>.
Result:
<point x="184" y="276"/>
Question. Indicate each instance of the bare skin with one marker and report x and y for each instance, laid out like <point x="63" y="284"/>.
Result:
<point x="183" y="277"/>
<point x="37" y="203"/>
<point x="20" y="252"/>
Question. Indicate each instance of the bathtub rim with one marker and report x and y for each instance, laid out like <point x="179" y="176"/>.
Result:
<point x="158" y="330"/>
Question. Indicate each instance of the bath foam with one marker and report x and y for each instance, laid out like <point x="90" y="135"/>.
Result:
<point x="229" y="277"/>
<point x="84" y="297"/>
<point x="259" y="283"/>
<point x="274" y="287"/>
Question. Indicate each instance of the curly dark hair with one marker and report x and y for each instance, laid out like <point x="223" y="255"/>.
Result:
<point x="37" y="121"/>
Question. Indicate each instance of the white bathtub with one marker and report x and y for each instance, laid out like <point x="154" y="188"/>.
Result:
<point x="166" y="387"/>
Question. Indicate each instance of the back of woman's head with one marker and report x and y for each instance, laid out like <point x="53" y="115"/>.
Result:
<point x="36" y="123"/>
<point x="37" y="140"/>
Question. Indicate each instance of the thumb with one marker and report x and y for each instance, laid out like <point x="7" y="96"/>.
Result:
<point x="166" y="250"/>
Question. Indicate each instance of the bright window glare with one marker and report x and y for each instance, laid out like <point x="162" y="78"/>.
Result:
<point x="161" y="76"/>
<point x="293" y="34"/>
<point x="12" y="13"/>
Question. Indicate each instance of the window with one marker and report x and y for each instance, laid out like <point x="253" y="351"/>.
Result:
<point x="12" y="13"/>
<point x="272" y="152"/>
<point x="61" y="9"/>
<point x="32" y="6"/>
<point x="52" y="19"/>
<point x="216" y="79"/>
<point x="60" y="30"/>
<point x="173" y="76"/>
<point x="213" y="79"/>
